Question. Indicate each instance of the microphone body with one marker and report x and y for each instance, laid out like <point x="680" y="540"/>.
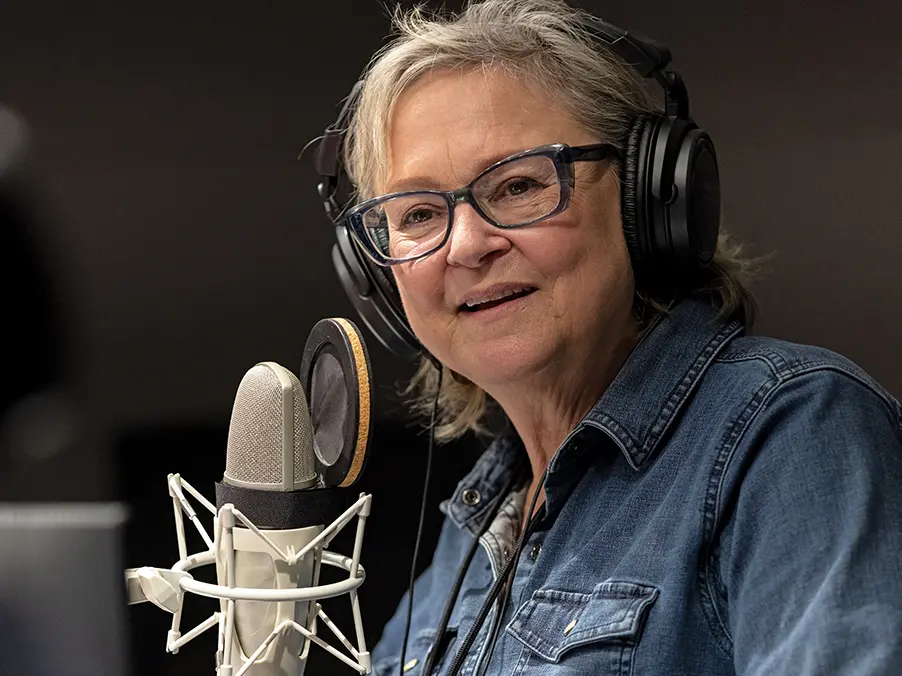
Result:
<point x="264" y="461"/>
<point x="257" y="568"/>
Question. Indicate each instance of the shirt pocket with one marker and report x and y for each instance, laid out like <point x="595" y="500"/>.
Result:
<point x="594" y="633"/>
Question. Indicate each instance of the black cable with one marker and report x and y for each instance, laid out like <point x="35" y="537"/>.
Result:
<point x="492" y="639"/>
<point x="496" y="627"/>
<point x="509" y="567"/>
<point x="461" y="574"/>
<point x="416" y="546"/>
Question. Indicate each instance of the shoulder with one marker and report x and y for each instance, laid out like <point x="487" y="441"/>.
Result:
<point x="771" y="368"/>
<point x="807" y="504"/>
<point x="800" y="421"/>
<point x="801" y="413"/>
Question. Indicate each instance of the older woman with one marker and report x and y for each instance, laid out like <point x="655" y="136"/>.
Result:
<point x="669" y="495"/>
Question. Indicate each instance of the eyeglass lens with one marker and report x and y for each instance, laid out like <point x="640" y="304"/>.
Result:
<point x="514" y="193"/>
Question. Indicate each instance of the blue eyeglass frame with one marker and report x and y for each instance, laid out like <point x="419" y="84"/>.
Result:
<point x="561" y="154"/>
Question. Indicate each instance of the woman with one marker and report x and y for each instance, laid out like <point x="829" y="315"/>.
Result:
<point x="670" y="495"/>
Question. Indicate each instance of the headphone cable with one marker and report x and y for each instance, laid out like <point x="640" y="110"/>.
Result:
<point x="416" y="546"/>
<point x="509" y="567"/>
<point x="492" y="639"/>
<point x="433" y="655"/>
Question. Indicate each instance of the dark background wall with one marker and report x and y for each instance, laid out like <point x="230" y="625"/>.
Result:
<point x="168" y="134"/>
<point x="190" y="243"/>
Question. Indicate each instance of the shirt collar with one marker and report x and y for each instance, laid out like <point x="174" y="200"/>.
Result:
<point x="477" y="493"/>
<point x="635" y="411"/>
<point x="658" y="378"/>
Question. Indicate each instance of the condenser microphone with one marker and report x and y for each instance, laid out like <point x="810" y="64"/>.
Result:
<point x="279" y="506"/>
<point x="269" y="459"/>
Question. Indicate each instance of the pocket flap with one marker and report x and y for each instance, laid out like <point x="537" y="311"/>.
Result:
<point x="552" y="622"/>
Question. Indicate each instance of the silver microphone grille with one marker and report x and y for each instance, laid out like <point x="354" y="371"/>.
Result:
<point x="270" y="437"/>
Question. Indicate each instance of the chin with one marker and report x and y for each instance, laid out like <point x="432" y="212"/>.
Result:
<point x="503" y="361"/>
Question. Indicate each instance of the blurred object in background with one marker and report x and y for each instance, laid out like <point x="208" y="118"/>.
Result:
<point x="42" y="452"/>
<point x="62" y="601"/>
<point x="61" y="587"/>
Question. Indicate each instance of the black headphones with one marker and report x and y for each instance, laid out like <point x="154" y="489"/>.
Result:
<point x="670" y="197"/>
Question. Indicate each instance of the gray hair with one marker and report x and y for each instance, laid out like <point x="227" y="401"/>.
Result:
<point x="543" y="43"/>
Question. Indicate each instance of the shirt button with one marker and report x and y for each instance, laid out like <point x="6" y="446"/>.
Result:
<point x="471" y="497"/>
<point x="534" y="552"/>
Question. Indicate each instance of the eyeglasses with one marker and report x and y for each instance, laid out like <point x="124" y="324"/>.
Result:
<point x="517" y="191"/>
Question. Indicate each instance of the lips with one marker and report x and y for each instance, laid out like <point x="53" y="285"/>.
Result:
<point x="494" y="296"/>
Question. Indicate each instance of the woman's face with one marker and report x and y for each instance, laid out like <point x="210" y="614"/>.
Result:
<point x="445" y="130"/>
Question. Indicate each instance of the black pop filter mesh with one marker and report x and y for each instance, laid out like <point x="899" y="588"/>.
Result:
<point x="336" y="378"/>
<point x="330" y="401"/>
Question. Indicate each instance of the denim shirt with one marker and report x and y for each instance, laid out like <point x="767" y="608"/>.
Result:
<point x="730" y="505"/>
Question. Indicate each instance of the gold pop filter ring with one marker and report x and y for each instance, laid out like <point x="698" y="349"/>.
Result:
<point x="339" y="340"/>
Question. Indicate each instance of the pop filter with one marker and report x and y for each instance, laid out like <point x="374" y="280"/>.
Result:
<point x="336" y="377"/>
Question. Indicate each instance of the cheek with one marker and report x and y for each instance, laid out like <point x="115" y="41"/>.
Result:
<point x="594" y="265"/>
<point x="422" y="291"/>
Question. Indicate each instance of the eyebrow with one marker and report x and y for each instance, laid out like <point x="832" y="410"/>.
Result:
<point x="428" y="183"/>
<point x="412" y="183"/>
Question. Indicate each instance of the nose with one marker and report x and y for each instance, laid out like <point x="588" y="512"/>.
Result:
<point x="473" y="241"/>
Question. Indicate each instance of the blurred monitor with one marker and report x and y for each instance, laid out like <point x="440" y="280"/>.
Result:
<point x="62" y="591"/>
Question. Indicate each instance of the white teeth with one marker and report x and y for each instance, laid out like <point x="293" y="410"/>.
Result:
<point x="489" y="299"/>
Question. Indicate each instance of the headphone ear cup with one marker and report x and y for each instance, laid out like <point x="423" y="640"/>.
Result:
<point x="385" y="280"/>
<point x="669" y="200"/>
<point x="633" y="193"/>
<point x="695" y="213"/>
<point x="373" y="293"/>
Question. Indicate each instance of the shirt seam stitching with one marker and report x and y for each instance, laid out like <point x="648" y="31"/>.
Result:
<point x="714" y="498"/>
<point x="712" y="514"/>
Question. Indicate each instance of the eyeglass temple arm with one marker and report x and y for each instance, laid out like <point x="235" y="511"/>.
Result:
<point x="591" y="153"/>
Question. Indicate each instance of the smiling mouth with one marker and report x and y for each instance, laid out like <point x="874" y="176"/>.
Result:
<point x="495" y="302"/>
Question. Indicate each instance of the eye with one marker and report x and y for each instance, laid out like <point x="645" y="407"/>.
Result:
<point x="418" y="216"/>
<point x="520" y="186"/>
<point x="517" y="187"/>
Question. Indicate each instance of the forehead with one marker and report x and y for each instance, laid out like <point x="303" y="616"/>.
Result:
<point x="448" y="126"/>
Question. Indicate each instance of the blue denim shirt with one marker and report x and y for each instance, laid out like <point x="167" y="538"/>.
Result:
<point x="730" y="505"/>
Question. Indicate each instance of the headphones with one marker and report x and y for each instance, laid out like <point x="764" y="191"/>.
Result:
<point x="670" y="197"/>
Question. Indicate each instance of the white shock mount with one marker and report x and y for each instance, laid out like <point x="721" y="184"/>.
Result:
<point x="166" y="587"/>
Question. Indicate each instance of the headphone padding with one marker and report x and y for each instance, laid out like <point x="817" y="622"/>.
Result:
<point x="632" y="210"/>
<point x="374" y="296"/>
<point x="386" y="282"/>
<point x="385" y="279"/>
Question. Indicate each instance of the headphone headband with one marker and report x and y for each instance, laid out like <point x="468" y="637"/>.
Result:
<point x="328" y="155"/>
<point x="647" y="57"/>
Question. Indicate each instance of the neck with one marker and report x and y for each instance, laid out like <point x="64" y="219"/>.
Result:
<point x="545" y="407"/>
